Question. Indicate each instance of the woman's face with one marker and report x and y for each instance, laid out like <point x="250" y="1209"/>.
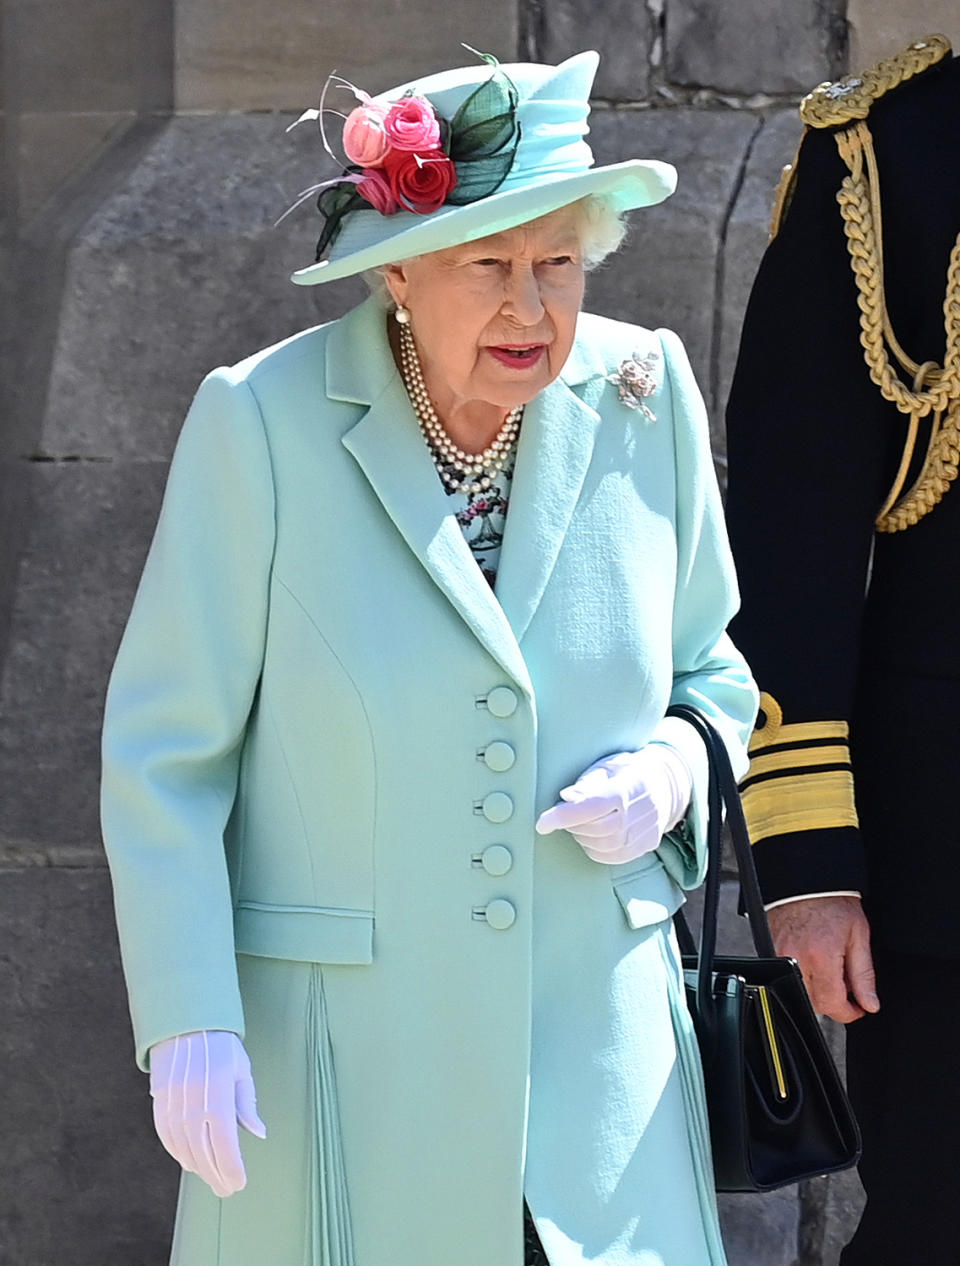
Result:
<point x="494" y="320"/>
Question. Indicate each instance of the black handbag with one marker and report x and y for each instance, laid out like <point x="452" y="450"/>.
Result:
<point x="778" y="1110"/>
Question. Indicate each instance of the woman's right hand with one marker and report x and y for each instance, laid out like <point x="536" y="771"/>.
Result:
<point x="202" y="1086"/>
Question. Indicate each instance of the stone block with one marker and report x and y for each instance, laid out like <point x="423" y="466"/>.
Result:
<point x="181" y="270"/>
<point x="880" y="28"/>
<point x="75" y="57"/>
<point x="760" y="1229"/>
<point x="90" y="527"/>
<point x="14" y="510"/>
<point x="666" y="272"/>
<point x="8" y="207"/>
<point x="84" y="1180"/>
<point x="750" y="46"/>
<point x="830" y="1210"/>
<point x="748" y="233"/>
<point x="8" y="339"/>
<point x="622" y="32"/>
<point x="244" y="55"/>
<point x="78" y="75"/>
<point x="153" y="25"/>
<point x="55" y="148"/>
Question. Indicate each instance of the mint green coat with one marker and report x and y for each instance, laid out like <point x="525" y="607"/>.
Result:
<point x="326" y="745"/>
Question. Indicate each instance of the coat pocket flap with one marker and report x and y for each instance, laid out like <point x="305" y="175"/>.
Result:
<point x="648" y="895"/>
<point x="306" y="934"/>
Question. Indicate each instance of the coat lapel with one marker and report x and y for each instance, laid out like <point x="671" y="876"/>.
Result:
<point x="556" y="447"/>
<point x="390" y="451"/>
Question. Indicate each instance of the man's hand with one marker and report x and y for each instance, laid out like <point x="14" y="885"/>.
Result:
<point x="830" y="939"/>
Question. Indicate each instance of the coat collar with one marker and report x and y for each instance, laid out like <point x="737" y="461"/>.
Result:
<point x="359" y="362"/>
<point x="556" y="445"/>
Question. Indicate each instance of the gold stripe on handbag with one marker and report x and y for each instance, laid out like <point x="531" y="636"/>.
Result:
<point x="773" y="1046"/>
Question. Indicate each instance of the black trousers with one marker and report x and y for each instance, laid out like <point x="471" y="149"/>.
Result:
<point x="903" y="1080"/>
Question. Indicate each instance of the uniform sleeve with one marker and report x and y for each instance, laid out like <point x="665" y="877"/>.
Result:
<point x="177" y="705"/>
<point x="708" y="670"/>
<point x="811" y="456"/>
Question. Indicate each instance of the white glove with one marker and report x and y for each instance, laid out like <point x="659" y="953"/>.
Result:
<point x="201" y="1086"/>
<point x="622" y="806"/>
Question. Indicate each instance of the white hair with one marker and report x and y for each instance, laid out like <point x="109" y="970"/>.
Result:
<point x="601" y="227"/>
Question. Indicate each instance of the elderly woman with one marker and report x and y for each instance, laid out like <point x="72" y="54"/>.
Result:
<point x="390" y="798"/>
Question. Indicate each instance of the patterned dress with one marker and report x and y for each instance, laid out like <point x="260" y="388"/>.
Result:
<point x="482" y="517"/>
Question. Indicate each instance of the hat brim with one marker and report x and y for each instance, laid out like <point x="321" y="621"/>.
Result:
<point x="374" y="239"/>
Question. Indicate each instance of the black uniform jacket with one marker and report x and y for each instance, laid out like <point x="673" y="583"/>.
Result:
<point x="842" y="624"/>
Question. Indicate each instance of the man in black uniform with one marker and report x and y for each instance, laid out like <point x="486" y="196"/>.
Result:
<point x="843" y="438"/>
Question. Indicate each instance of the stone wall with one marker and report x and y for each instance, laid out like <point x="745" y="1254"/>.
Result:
<point x="139" y="251"/>
<point x="79" y="84"/>
<point x="879" y="27"/>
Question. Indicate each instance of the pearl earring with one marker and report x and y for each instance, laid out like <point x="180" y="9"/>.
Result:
<point x="402" y="314"/>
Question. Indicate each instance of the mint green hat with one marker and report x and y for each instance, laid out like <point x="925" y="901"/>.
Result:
<point x="552" y="167"/>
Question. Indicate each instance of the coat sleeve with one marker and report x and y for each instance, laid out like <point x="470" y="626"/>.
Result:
<point x="812" y="452"/>
<point x="177" y="706"/>
<point x="708" y="670"/>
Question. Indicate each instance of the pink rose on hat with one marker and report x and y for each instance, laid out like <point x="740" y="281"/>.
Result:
<point x="375" y="187"/>
<point x="411" y="124"/>
<point x="365" y="141"/>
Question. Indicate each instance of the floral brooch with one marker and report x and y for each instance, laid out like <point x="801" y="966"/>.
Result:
<point x="634" y="380"/>
<point x="404" y="156"/>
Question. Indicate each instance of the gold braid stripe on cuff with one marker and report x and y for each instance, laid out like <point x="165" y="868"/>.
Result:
<point x="773" y="731"/>
<point x="789" y="789"/>
<point x="798" y="758"/>
<point x="806" y="802"/>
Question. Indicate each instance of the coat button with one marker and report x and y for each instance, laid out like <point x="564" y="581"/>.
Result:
<point x="501" y="914"/>
<point x="499" y="756"/>
<point x="497" y="859"/>
<point x="502" y="701"/>
<point x="497" y="806"/>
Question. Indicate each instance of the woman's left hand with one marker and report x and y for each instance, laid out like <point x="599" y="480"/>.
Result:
<point x="621" y="807"/>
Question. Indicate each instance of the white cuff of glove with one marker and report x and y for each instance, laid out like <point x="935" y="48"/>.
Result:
<point x="202" y="1085"/>
<point x="623" y="805"/>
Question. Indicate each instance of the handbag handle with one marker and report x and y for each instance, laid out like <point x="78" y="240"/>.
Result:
<point x="722" y="793"/>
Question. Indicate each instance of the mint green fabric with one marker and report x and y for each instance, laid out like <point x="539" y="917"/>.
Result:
<point x="293" y="747"/>
<point x="553" y="167"/>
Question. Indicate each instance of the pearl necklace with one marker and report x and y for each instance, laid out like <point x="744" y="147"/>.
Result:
<point x="459" y="470"/>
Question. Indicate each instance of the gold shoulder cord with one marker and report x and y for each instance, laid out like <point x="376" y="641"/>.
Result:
<point x="783" y="194"/>
<point x="935" y="389"/>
